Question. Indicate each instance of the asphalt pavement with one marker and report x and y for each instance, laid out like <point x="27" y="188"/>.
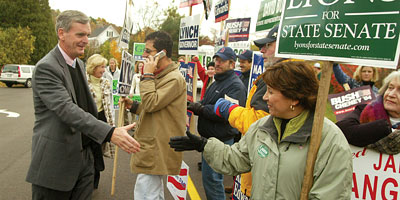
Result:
<point x="15" y="145"/>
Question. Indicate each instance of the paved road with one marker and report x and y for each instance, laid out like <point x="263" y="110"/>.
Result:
<point x="15" y="145"/>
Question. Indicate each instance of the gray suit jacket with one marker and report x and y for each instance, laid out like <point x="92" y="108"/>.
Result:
<point x="59" y="123"/>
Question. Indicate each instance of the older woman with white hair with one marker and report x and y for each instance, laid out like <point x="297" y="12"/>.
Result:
<point x="376" y="125"/>
<point x="100" y="89"/>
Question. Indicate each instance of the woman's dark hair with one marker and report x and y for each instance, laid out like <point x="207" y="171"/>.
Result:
<point x="295" y="80"/>
<point x="212" y="64"/>
<point x="162" y="40"/>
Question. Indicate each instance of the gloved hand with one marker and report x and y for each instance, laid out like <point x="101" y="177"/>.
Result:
<point x="187" y="143"/>
<point x="195" y="107"/>
<point x="223" y="108"/>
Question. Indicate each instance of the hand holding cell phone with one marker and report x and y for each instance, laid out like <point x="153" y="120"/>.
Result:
<point x="150" y="64"/>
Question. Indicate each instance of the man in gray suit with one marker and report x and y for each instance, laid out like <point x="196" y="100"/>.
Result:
<point x="67" y="137"/>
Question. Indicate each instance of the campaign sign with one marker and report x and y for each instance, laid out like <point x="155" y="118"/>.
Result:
<point x="189" y="33"/>
<point x="237" y="192"/>
<point x="221" y="10"/>
<point x="345" y="102"/>
<point x="126" y="75"/>
<point x="189" y="80"/>
<point x="115" y="101"/>
<point x="355" y="32"/>
<point x="257" y="68"/>
<point x="183" y="69"/>
<point x="138" y="49"/>
<point x="204" y="60"/>
<point x="375" y="175"/>
<point x="188" y="118"/>
<point x="115" y="86"/>
<point x="269" y="14"/>
<point x="127" y="28"/>
<point x="188" y="3"/>
<point x="177" y="185"/>
<point x="239" y="29"/>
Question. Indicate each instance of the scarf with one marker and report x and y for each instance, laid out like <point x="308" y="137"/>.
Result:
<point x="374" y="111"/>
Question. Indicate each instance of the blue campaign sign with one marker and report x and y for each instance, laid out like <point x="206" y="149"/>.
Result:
<point x="189" y="81"/>
<point x="257" y="68"/>
<point x="221" y="10"/>
<point x="183" y="69"/>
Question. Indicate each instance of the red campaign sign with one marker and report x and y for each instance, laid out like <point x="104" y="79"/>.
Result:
<point x="375" y="175"/>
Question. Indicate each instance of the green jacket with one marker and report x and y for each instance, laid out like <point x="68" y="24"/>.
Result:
<point x="278" y="168"/>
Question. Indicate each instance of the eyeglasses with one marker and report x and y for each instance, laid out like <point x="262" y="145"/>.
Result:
<point x="266" y="46"/>
<point x="149" y="50"/>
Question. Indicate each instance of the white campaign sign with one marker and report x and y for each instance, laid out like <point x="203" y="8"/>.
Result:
<point x="177" y="185"/>
<point x="189" y="35"/>
<point x="375" y="175"/>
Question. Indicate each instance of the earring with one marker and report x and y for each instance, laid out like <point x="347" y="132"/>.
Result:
<point x="292" y="107"/>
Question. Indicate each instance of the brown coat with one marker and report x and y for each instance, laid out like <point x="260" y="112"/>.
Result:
<point x="162" y="114"/>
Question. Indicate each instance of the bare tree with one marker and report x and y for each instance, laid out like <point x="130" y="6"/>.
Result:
<point x="147" y="14"/>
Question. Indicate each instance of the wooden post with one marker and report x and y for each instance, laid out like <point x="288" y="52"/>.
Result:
<point x="318" y="123"/>
<point x="120" y="124"/>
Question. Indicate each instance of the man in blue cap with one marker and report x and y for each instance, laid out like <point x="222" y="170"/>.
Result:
<point x="227" y="85"/>
<point x="245" y="59"/>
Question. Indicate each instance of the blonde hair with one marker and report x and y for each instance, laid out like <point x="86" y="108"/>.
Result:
<point x="94" y="61"/>
<point x="357" y="74"/>
<point x="115" y="61"/>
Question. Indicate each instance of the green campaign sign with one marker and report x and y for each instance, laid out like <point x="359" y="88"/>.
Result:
<point x="269" y="14"/>
<point x="138" y="49"/>
<point x="357" y="32"/>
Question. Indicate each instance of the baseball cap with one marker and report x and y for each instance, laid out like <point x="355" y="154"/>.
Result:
<point x="226" y="53"/>
<point x="271" y="37"/>
<point x="246" y="55"/>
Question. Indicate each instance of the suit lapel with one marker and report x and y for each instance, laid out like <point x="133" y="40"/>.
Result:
<point x="68" y="80"/>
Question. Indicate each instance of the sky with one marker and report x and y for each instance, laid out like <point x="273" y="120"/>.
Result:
<point x="114" y="11"/>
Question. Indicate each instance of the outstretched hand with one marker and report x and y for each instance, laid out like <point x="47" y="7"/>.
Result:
<point x="223" y="108"/>
<point x="188" y="142"/>
<point x="121" y="138"/>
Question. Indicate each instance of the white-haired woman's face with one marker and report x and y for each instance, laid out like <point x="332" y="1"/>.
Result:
<point x="367" y="73"/>
<point x="391" y="98"/>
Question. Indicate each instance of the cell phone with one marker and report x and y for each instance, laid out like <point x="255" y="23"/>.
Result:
<point x="160" y="54"/>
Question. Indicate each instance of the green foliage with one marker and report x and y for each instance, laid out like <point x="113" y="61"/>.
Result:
<point x="105" y="50"/>
<point x="171" y="26"/>
<point x="33" y="14"/>
<point x="16" y="45"/>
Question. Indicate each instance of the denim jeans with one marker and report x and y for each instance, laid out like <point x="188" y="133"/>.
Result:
<point x="213" y="182"/>
<point x="149" y="187"/>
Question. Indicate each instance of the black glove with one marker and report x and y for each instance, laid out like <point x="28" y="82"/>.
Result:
<point x="195" y="107"/>
<point x="187" y="143"/>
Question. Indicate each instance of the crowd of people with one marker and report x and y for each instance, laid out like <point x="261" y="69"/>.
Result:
<point x="260" y="130"/>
